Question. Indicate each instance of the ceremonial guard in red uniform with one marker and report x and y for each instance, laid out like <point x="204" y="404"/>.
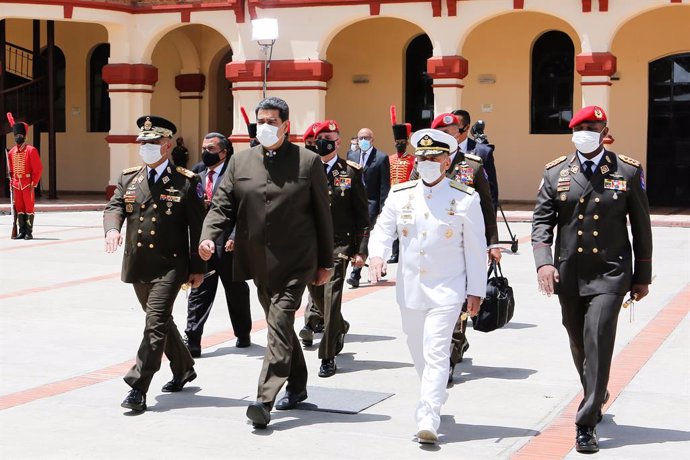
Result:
<point x="25" y="169"/>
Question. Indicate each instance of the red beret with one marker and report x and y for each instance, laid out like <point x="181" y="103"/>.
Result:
<point x="589" y="113"/>
<point x="310" y="130"/>
<point x="445" y="119"/>
<point x="328" y="126"/>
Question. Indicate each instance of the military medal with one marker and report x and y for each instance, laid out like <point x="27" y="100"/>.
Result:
<point x="335" y="173"/>
<point x="404" y="231"/>
<point x="604" y="169"/>
<point x="165" y="180"/>
<point x="563" y="173"/>
<point x="129" y="207"/>
<point x="574" y="169"/>
<point x="449" y="233"/>
<point x="451" y="209"/>
<point x="615" y="195"/>
<point x="564" y="196"/>
<point x="168" y="211"/>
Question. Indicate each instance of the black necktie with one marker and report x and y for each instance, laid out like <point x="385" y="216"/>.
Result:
<point x="325" y="168"/>
<point x="152" y="177"/>
<point x="588" y="169"/>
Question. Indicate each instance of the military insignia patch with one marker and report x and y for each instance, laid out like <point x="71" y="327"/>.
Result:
<point x="165" y="180"/>
<point x="598" y="113"/>
<point x="604" y="169"/>
<point x="553" y="163"/>
<point x="563" y="173"/>
<point x="574" y="169"/>
<point x="404" y="231"/>
<point x="449" y="233"/>
<point x="564" y="196"/>
<point x="129" y="207"/>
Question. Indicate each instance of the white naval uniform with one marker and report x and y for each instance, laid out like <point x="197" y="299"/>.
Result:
<point x="442" y="261"/>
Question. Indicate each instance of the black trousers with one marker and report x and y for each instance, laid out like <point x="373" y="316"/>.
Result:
<point x="283" y="360"/>
<point x="329" y="313"/>
<point x="201" y="300"/>
<point x="591" y="324"/>
<point x="160" y="335"/>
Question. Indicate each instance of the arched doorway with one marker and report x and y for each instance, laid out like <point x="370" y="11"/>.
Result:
<point x="668" y="136"/>
<point x="419" y="95"/>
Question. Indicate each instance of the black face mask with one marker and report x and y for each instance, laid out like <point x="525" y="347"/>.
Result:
<point x="209" y="158"/>
<point x="400" y="147"/>
<point x="325" y="147"/>
<point x="19" y="139"/>
<point x="311" y="147"/>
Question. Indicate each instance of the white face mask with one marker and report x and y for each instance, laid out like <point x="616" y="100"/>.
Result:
<point x="353" y="147"/>
<point x="267" y="135"/>
<point x="150" y="153"/>
<point x="429" y="171"/>
<point x="586" y="141"/>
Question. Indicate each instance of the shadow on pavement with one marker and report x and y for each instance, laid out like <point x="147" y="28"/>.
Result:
<point x="347" y="363"/>
<point x="189" y="397"/>
<point x="628" y="435"/>
<point x="461" y="432"/>
<point x="286" y="420"/>
<point x="519" y="326"/>
<point x="465" y="372"/>
<point x="253" y="351"/>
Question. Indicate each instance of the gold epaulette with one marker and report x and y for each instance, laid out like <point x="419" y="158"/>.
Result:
<point x="356" y="166"/>
<point x="555" y="162"/>
<point x="476" y="158"/>
<point x="462" y="187"/>
<point x="404" y="185"/>
<point x="185" y="172"/>
<point x="131" y="170"/>
<point x="630" y="161"/>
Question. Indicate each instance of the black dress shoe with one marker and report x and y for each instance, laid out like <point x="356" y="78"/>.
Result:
<point x="290" y="400"/>
<point x="243" y="342"/>
<point x="392" y="260"/>
<point x="341" y="338"/>
<point x="193" y="346"/>
<point x="586" y="439"/>
<point x="353" y="282"/>
<point x="260" y="414"/>
<point x="318" y="329"/>
<point x="177" y="383"/>
<point x="135" y="400"/>
<point x="307" y="336"/>
<point x="327" y="368"/>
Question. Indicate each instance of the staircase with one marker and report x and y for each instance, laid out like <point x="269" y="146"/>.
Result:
<point x="25" y="94"/>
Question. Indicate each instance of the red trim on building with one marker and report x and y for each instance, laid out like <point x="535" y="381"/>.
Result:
<point x="279" y="88"/>
<point x="452" y="6"/>
<point x="150" y="91"/>
<point x="282" y="70"/>
<point x="595" y="64"/>
<point x="586" y="6"/>
<point x="596" y="83"/>
<point x="67" y="11"/>
<point x="185" y="16"/>
<point x="603" y="5"/>
<point x="436" y="8"/>
<point x="447" y="67"/>
<point x="676" y="1"/>
<point x="518" y="4"/>
<point x="121" y="139"/>
<point x="191" y="97"/>
<point x="130" y="74"/>
<point x="190" y="82"/>
<point x="449" y="85"/>
<point x="109" y="192"/>
<point x="374" y="8"/>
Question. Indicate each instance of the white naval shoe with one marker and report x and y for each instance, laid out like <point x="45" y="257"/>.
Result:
<point x="427" y="436"/>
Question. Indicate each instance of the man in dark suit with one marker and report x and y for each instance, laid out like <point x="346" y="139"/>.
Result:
<point x="164" y="209"/>
<point x="468" y="169"/>
<point x="588" y="196"/>
<point x="216" y="150"/>
<point x="275" y="196"/>
<point x="377" y="181"/>
<point x="483" y="151"/>
<point x="351" y="235"/>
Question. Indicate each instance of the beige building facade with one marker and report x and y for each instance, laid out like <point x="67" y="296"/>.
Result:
<point x="521" y="66"/>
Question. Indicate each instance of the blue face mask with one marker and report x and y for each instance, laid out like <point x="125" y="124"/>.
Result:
<point x="364" y="144"/>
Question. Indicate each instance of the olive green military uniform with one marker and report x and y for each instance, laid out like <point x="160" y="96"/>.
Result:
<point x="278" y="204"/>
<point x="594" y="257"/>
<point x="469" y="170"/>
<point x="163" y="223"/>
<point x="349" y="208"/>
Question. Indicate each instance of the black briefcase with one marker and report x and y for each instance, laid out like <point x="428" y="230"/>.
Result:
<point x="498" y="306"/>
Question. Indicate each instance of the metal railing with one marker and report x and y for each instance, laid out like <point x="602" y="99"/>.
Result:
<point x="19" y="61"/>
<point x="26" y="102"/>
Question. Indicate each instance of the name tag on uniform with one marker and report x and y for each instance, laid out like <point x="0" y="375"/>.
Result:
<point x="170" y="198"/>
<point x="613" y="184"/>
<point x="406" y="218"/>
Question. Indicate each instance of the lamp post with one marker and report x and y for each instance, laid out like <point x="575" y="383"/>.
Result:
<point x="265" y="34"/>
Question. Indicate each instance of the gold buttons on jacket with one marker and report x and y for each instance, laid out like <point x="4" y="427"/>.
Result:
<point x="141" y="219"/>
<point x="595" y="250"/>
<point x="580" y="216"/>
<point x="153" y="232"/>
<point x="140" y="231"/>
<point x="139" y="244"/>
<point x="580" y="249"/>
<point x="155" y="206"/>
<point x="153" y="219"/>
<point x="151" y="245"/>
<point x="596" y="200"/>
<point x="579" y="232"/>
<point x="143" y="206"/>
<point x="596" y="216"/>
<point x="595" y="233"/>
<point x="582" y="200"/>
